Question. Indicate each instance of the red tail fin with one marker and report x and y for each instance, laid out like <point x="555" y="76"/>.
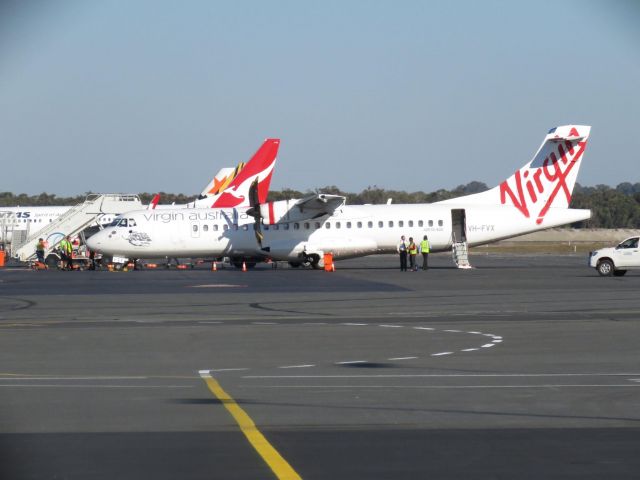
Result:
<point x="261" y="167"/>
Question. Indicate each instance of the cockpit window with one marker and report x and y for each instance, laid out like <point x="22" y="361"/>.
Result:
<point x="123" y="222"/>
<point x="132" y="222"/>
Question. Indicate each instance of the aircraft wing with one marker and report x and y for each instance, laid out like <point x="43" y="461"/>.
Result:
<point x="296" y="210"/>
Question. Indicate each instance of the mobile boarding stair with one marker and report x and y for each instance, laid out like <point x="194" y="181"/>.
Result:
<point x="460" y="253"/>
<point x="77" y="219"/>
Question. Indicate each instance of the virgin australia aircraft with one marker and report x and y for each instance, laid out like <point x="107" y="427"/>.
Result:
<point x="34" y="219"/>
<point x="534" y="198"/>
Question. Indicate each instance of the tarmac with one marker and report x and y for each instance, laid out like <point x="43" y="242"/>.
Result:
<point x="523" y="367"/>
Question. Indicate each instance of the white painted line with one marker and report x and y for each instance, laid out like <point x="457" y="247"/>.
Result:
<point x="452" y="331"/>
<point x="211" y="322"/>
<point x="203" y="372"/>
<point x="264" y="323"/>
<point x="440" y="354"/>
<point x="298" y="366"/>
<point x="53" y="385"/>
<point x="497" y="337"/>
<point x="452" y="387"/>
<point x="314" y="323"/>
<point x="354" y="324"/>
<point x="402" y="358"/>
<point x="488" y="345"/>
<point x="637" y="380"/>
<point x="351" y="361"/>
<point x="391" y="326"/>
<point x="497" y="341"/>
<point x="217" y="285"/>
<point x="423" y="328"/>
<point x="2" y="379"/>
<point x="476" y="333"/>
<point x="452" y="375"/>
<point x="226" y="370"/>
<point x="469" y="349"/>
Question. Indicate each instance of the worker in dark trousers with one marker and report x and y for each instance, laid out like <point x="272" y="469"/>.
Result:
<point x="412" y="250"/>
<point x="424" y="249"/>
<point x="66" y="251"/>
<point x="402" y="250"/>
<point x="40" y="250"/>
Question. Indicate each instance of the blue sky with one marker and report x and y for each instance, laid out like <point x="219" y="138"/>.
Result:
<point x="153" y="95"/>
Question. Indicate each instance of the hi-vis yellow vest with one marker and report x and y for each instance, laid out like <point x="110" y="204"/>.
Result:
<point x="424" y="246"/>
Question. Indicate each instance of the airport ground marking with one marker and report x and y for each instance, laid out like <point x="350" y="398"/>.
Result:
<point x="496" y="339"/>
<point x="280" y="467"/>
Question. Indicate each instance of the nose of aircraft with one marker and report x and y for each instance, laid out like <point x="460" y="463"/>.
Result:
<point x="95" y="241"/>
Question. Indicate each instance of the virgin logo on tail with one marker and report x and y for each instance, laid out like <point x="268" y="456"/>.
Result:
<point x="533" y="185"/>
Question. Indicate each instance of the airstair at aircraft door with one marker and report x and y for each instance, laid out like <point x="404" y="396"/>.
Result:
<point x="460" y="253"/>
<point x="77" y="219"/>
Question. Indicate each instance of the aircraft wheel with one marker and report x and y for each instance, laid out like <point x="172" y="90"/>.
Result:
<point x="52" y="260"/>
<point x="619" y="273"/>
<point x="605" y="268"/>
<point x="295" y="264"/>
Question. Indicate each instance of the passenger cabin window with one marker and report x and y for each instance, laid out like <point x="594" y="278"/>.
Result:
<point x="390" y="223"/>
<point x="275" y="227"/>
<point x="285" y="226"/>
<point x="215" y="227"/>
<point x="296" y="226"/>
<point x="235" y="226"/>
<point x="195" y="228"/>
<point x="401" y="223"/>
<point x="370" y="224"/>
<point x="327" y="225"/>
<point x="348" y="224"/>
<point x="337" y="224"/>
<point x="306" y="225"/>
<point x="359" y="224"/>
<point x="317" y="225"/>
<point x="205" y="228"/>
<point x="420" y="223"/>
<point x="440" y="223"/>
<point x="225" y="227"/>
<point x="380" y="224"/>
<point x="431" y="223"/>
<point x="411" y="223"/>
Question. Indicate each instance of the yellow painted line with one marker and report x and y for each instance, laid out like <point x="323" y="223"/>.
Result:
<point x="270" y="455"/>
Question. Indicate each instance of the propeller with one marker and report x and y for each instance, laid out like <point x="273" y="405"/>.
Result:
<point x="254" y="211"/>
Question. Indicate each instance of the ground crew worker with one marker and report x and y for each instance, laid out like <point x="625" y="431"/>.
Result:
<point x="40" y="247"/>
<point x="402" y="250"/>
<point x="66" y="251"/>
<point x="424" y="249"/>
<point x="413" y="251"/>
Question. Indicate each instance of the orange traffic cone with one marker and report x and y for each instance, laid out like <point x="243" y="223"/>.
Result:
<point x="214" y="266"/>
<point x="244" y="266"/>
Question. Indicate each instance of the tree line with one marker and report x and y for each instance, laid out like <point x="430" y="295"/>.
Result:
<point x="617" y="207"/>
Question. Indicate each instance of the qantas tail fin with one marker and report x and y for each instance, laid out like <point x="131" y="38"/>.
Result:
<point x="545" y="182"/>
<point x="260" y="168"/>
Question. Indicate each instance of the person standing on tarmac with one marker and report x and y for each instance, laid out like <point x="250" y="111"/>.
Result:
<point x="413" y="251"/>
<point x="424" y="250"/>
<point x="402" y="250"/>
<point x="66" y="251"/>
<point x="40" y="247"/>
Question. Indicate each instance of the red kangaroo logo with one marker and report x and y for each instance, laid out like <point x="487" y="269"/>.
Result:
<point x="553" y="172"/>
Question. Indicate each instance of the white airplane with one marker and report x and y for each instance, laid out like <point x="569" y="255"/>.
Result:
<point x="534" y="198"/>
<point x="33" y="219"/>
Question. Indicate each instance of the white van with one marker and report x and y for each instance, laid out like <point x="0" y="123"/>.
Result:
<point x="616" y="260"/>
